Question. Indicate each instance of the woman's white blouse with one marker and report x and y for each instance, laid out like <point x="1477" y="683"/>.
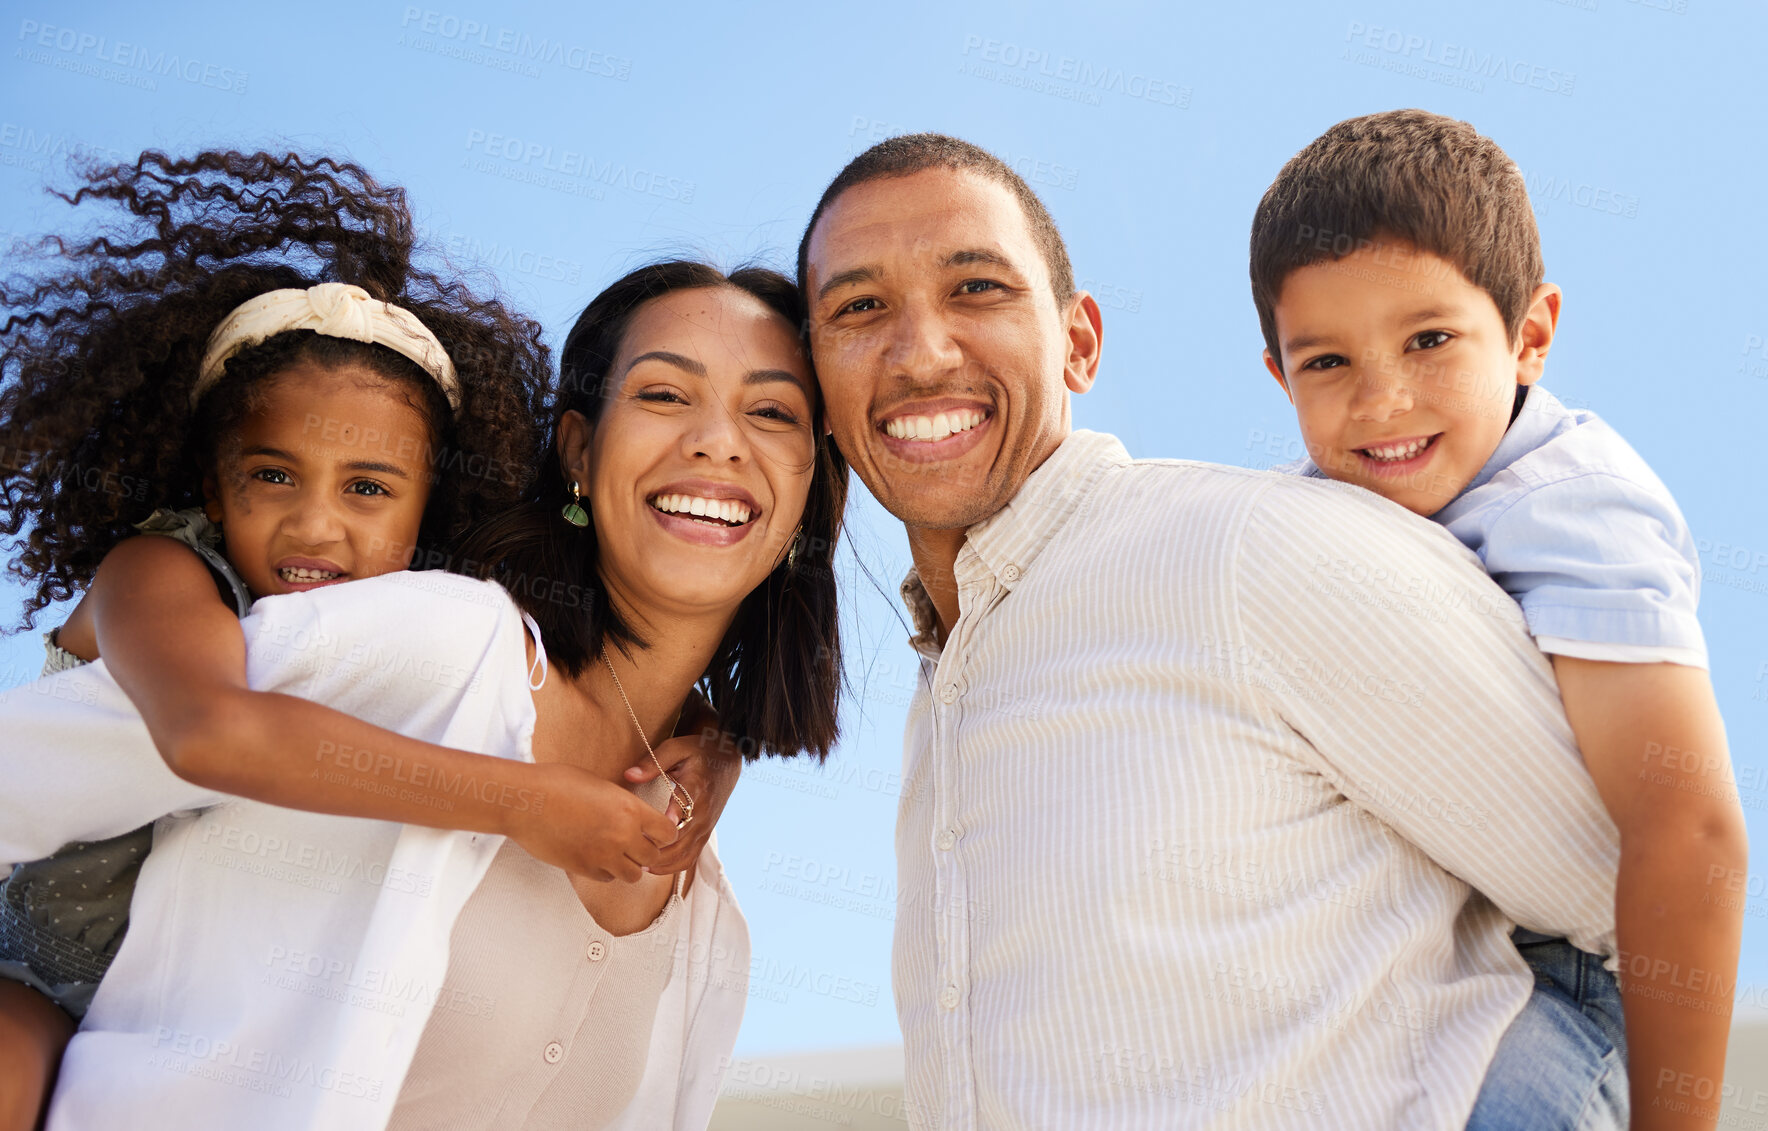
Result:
<point x="521" y="1034"/>
<point x="280" y="965"/>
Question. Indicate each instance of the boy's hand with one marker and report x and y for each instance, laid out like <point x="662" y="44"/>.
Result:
<point x="591" y="827"/>
<point x="707" y="765"/>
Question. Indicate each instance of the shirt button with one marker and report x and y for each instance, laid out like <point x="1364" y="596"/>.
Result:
<point x="948" y="693"/>
<point x="1011" y="573"/>
<point x="596" y="950"/>
<point x="948" y="998"/>
<point x="554" y="1053"/>
<point x="946" y="840"/>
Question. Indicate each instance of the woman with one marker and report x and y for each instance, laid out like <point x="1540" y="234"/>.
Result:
<point x="294" y="969"/>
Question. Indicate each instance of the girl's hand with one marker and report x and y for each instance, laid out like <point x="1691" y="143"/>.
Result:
<point x="591" y="827"/>
<point x="707" y="766"/>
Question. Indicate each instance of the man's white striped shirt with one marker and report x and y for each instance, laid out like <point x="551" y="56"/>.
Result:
<point x="1196" y="800"/>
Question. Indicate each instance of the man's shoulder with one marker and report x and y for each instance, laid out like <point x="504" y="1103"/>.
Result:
<point x="1236" y="515"/>
<point x="1186" y="483"/>
<point x="1177" y="486"/>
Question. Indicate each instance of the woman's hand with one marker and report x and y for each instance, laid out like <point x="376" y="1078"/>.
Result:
<point x="707" y="766"/>
<point x="591" y="827"/>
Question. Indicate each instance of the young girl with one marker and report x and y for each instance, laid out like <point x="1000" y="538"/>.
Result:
<point x="251" y="369"/>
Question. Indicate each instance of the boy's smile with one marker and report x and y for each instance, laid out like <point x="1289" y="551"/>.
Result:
<point x="1403" y="380"/>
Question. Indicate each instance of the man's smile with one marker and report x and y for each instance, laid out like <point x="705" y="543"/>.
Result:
<point x="935" y="430"/>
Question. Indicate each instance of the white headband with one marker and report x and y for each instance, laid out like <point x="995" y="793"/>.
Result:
<point x="337" y="310"/>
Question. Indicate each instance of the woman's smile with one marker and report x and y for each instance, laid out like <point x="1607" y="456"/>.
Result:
<point x="705" y="512"/>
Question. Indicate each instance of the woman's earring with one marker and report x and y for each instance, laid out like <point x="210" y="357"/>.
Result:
<point x="574" y="512"/>
<point x="792" y="554"/>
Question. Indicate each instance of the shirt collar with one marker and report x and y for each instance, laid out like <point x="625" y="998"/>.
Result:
<point x="1006" y="543"/>
<point x="1541" y="416"/>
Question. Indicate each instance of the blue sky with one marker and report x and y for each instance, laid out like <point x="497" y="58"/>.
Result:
<point x="557" y="145"/>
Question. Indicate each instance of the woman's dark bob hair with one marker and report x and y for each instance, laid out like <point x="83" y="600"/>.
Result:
<point x="775" y="679"/>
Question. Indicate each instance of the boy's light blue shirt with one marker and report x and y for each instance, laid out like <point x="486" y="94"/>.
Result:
<point x="1576" y="527"/>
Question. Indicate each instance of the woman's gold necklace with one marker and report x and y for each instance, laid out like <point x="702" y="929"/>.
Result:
<point x="687" y="802"/>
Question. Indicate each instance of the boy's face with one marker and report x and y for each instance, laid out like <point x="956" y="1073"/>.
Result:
<point x="1400" y="370"/>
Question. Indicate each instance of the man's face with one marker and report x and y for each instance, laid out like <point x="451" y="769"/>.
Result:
<point x="942" y="354"/>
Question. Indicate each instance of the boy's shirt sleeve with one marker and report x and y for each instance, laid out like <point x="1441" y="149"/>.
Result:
<point x="1604" y="567"/>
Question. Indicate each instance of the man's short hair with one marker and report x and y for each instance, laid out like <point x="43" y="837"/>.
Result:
<point x="912" y="153"/>
<point x="1410" y="175"/>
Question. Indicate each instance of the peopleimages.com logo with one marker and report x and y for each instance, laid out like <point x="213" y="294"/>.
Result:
<point x="131" y="64"/>
<point x="574" y="167"/>
<point x="1462" y="64"/>
<point x="1085" y="76"/>
<point x="470" y="39"/>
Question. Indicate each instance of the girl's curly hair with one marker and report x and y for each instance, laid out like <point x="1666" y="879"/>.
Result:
<point x="98" y="354"/>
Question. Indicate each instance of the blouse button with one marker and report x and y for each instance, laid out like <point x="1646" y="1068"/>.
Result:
<point x="596" y="950"/>
<point x="1010" y="574"/>
<point x="554" y="1053"/>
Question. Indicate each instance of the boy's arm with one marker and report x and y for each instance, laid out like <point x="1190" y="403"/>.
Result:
<point x="179" y="653"/>
<point x="1654" y="743"/>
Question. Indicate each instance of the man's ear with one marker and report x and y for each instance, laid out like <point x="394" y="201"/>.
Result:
<point x="1277" y="372"/>
<point x="1536" y="336"/>
<point x="1086" y="335"/>
<point x="576" y="444"/>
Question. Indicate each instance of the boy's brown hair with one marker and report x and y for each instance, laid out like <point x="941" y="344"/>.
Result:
<point x="1401" y="175"/>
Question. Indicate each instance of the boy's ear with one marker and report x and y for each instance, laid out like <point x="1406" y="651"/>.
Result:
<point x="1086" y="337"/>
<point x="1277" y="372"/>
<point x="1536" y="335"/>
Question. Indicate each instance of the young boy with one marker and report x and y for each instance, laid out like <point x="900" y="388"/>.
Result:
<point x="1397" y="273"/>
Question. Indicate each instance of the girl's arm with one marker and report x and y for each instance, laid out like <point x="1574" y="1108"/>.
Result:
<point x="705" y="762"/>
<point x="1653" y="740"/>
<point x="177" y="650"/>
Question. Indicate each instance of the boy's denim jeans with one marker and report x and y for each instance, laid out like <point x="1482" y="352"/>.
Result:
<point x="1562" y="1064"/>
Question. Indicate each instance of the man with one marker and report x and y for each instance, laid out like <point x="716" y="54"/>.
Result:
<point x="1206" y="759"/>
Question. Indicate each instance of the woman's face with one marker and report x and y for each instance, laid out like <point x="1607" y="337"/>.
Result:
<point x="697" y="473"/>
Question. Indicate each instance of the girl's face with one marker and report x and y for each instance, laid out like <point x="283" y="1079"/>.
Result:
<point x="325" y="482"/>
<point x="698" y="470"/>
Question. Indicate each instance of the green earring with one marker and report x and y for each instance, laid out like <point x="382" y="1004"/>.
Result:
<point x="574" y="512"/>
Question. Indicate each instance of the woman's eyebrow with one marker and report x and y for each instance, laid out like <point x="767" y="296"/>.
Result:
<point x="768" y="376"/>
<point x="668" y="358"/>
